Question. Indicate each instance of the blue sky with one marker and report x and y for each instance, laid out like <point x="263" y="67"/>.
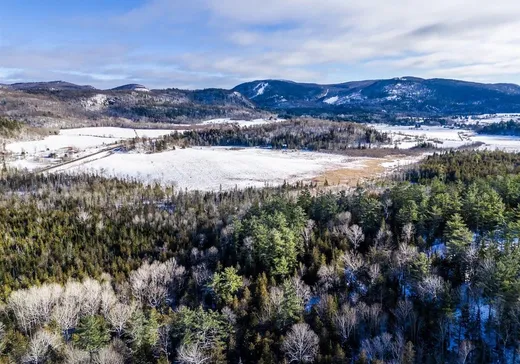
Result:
<point x="220" y="43"/>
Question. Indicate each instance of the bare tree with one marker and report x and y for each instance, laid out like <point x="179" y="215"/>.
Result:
<point x="353" y="263"/>
<point x="373" y="315"/>
<point x="273" y="305"/>
<point x="2" y="336"/>
<point x="76" y="356"/>
<point x="303" y="291"/>
<point x="33" y="307"/>
<point x="91" y="297"/>
<point x="374" y="272"/>
<point x="301" y="344"/>
<point x="66" y="316"/>
<point x="164" y="342"/>
<point x="108" y="298"/>
<point x="109" y="355"/>
<point x="192" y="354"/>
<point x="40" y="346"/>
<point x="154" y="283"/>
<point x="119" y="316"/>
<point x="402" y="313"/>
<point x="328" y="277"/>
<point x="379" y="347"/>
<point x="430" y="288"/>
<point x="202" y="275"/>
<point x="465" y="348"/>
<point x="307" y="231"/>
<point x="345" y="321"/>
<point x="407" y="233"/>
<point x="355" y="235"/>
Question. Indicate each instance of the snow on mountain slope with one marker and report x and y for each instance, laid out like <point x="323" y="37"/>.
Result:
<point x="405" y="95"/>
<point x="260" y="89"/>
<point x="331" y="100"/>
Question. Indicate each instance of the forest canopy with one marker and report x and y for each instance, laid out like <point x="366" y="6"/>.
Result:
<point x="424" y="267"/>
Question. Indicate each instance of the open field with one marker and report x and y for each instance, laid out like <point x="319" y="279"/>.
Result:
<point x="405" y="137"/>
<point x="96" y="150"/>
<point x="212" y="168"/>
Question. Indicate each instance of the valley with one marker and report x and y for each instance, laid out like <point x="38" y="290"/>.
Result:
<point x="104" y="151"/>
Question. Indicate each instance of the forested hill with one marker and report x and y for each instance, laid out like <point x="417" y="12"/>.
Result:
<point x="426" y="270"/>
<point x="66" y="105"/>
<point x="303" y="134"/>
<point x="409" y="96"/>
<point x="503" y="128"/>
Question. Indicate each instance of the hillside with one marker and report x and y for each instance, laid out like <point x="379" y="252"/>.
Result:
<point x="65" y="104"/>
<point x="408" y="96"/>
<point x="60" y="103"/>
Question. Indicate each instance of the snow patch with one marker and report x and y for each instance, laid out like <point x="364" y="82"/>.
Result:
<point x="95" y="103"/>
<point x="260" y="88"/>
<point x="331" y="100"/>
<point x="212" y="168"/>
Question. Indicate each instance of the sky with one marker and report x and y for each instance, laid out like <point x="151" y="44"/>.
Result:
<point x="221" y="43"/>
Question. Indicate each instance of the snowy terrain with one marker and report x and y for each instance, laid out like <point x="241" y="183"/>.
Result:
<point x="242" y="123"/>
<point x="95" y="150"/>
<point x="210" y="168"/>
<point x="260" y="88"/>
<point x="406" y="137"/>
<point x="486" y="118"/>
<point x="331" y="100"/>
<point x="81" y="139"/>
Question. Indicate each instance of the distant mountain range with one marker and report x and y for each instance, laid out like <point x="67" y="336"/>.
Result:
<point x="59" y="102"/>
<point x="404" y="95"/>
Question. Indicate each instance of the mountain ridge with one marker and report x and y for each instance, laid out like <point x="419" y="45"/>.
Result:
<point x="59" y="101"/>
<point x="401" y="95"/>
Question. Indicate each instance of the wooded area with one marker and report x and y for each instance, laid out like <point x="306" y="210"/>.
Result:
<point x="421" y="269"/>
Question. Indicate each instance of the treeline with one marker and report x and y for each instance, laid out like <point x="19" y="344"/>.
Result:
<point x="465" y="166"/>
<point x="106" y="271"/>
<point x="510" y="127"/>
<point x="305" y="134"/>
<point x="9" y="127"/>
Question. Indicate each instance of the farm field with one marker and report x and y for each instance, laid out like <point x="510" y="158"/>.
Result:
<point x="405" y="137"/>
<point x="211" y="168"/>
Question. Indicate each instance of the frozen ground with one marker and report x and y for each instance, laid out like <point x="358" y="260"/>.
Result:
<point x="242" y="123"/>
<point x="81" y="139"/>
<point x="406" y="137"/>
<point x="213" y="168"/>
<point x="486" y="118"/>
<point x="91" y="150"/>
<point x="112" y="132"/>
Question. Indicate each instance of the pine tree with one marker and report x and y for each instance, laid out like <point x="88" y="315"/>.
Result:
<point x="457" y="236"/>
<point x="92" y="334"/>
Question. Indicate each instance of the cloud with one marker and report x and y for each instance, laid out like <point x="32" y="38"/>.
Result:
<point x="218" y="43"/>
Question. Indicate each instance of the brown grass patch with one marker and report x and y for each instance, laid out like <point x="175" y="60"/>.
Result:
<point x="351" y="176"/>
<point x="369" y="170"/>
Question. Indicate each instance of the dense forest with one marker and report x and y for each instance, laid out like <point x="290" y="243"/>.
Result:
<point x="309" y="134"/>
<point x="510" y="127"/>
<point x="423" y="268"/>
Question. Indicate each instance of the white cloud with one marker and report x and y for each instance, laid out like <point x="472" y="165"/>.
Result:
<point x="223" y="42"/>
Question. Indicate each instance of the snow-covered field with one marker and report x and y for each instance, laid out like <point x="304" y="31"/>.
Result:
<point x="486" y="118"/>
<point x="112" y="132"/>
<point x="242" y="123"/>
<point x="211" y="168"/>
<point x="406" y="137"/>
<point x="81" y="139"/>
<point x="217" y="167"/>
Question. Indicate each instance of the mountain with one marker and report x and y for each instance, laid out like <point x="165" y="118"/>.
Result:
<point x="131" y="87"/>
<point x="48" y="86"/>
<point x="404" y="95"/>
<point x="64" y="104"/>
